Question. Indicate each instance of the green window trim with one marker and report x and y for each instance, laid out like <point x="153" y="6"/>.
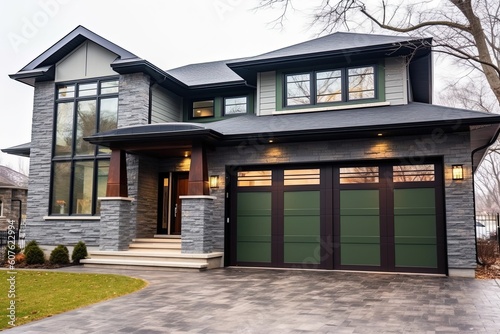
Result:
<point x="218" y="108"/>
<point x="281" y="94"/>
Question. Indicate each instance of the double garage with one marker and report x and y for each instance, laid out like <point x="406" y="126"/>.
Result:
<point x="377" y="216"/>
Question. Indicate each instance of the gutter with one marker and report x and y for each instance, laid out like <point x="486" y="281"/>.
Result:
<point x="491" y="142"/>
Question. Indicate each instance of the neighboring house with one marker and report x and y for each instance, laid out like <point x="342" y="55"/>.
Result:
<point x="13" y="195"/>
<point x="326" y="154"/>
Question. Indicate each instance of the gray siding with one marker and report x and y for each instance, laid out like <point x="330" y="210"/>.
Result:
<point x="266" y="93"/>
<point x="165" y="106"/>
<point x="396" y="81"/>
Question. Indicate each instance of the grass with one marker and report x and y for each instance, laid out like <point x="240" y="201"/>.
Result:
<point x="41" y="294"/>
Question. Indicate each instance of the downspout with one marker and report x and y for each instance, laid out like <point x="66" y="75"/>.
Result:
<point x="491" y="142"/>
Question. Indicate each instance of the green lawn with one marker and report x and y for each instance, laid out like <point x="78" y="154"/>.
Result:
<point x="40" y="294"/>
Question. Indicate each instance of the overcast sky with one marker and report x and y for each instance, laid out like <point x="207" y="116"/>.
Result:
<point x="167" y="33"/>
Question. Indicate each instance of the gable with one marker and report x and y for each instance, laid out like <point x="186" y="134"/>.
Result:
<point x="89" y="60"/>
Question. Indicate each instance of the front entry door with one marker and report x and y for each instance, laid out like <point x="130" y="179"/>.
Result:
<point x="171" y="187"/>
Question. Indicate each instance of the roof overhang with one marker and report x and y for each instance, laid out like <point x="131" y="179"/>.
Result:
<point x="22" y="150"/>
<point x="482" y="137"/>
<point x="166" y="139"/>
<point x="249" y="68"/>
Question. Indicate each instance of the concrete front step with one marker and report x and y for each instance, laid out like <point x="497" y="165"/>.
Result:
<point x="151" y="245"/>
<point x="158" y="240"/>
<point x="160" y="258"/>
<point x="144" y="263"/>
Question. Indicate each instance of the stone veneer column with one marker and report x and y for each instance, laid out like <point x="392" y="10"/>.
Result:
<point x="197" y="221"/>
<point x="115" y="221"/>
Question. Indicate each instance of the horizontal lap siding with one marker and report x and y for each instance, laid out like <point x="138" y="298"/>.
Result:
<point x="165" y="106"/>
<point x="266" y="93"/>
<point x="395" y="81"/>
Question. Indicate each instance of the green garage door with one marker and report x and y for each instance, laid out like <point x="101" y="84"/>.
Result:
<point x="381" y="217"/>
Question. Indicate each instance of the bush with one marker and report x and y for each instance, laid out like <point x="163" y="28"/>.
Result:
<point x="34" y="254"/>
<point x="79" y="252"/>
<point x="487" y="252"/>
<point x="60" y="255"/>
<point x="32" y="243"/>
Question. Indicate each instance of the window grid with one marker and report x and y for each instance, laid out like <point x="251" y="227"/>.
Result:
<point x="330" y="86"/>
<point x="82" y="109"/>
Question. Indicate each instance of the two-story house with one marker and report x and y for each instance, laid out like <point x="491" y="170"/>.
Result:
<point x="326" y="154"/>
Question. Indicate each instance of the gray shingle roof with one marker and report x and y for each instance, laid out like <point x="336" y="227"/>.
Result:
<point x="205" y="73"/>
<point x="336" y="42"/>
<point x="395" y="117"/>
<point x="9" y="178"/>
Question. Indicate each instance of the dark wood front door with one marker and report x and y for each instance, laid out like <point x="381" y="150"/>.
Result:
<point x="171" y="187"/>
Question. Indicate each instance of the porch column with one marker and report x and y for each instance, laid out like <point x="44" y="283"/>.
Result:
<point x="197" y="206"/>
<point x="117" y="176"/>
<point x="198" y="171"/>
<point x="116" y="206"/>
<point x="115" y="223"/>
<point x="197" y="226"/>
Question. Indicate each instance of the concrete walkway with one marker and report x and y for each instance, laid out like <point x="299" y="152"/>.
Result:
<point x="273" y="301"/>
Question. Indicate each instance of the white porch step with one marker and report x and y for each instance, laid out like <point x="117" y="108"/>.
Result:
<point x="157" y="258"/>
<point x="143" y="263"/>
<point x="155" y="244"/>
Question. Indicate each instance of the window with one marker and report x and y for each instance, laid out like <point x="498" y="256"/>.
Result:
<point x="259" y="178"/>
<point x="361" y="83"/>
<point x="235" y="105"/>
<point x="301" y="177"/>
<point x="203" y="109"/>
<point x="350" y="175"/>
<point x="413" y="173"/>
<point x="80" y="169"/>
<point x="339" y="85"/>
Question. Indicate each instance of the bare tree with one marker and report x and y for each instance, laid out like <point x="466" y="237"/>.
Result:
<point x="468" y="30"/>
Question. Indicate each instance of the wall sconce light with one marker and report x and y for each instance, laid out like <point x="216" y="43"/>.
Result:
<point x="214" y="181"/>
<point x="457" y="172"/>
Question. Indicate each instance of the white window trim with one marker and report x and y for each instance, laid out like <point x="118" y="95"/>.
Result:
<point x="330" y="108"/>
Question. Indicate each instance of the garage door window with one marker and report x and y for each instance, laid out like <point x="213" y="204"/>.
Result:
<point x="359" y="175"/>
<point x="413" y="173"/>
<point x="301" y="177"/>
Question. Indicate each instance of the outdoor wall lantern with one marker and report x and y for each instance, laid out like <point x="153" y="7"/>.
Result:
<point x="457" y="172"/>
<point x="214" y="181"/>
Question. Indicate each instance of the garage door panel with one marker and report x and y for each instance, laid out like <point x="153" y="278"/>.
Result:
<point x="415" y="240"/>
<point x="360" y="227"/>
<point x="254" y="227"/>
<point x="301" y="218"/>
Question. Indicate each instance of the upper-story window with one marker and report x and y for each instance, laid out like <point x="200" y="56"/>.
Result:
<point x="339" y="85"/>
<point x="235" y="105"/>
<point x="80" y="169"/>
<point x="203" y="109"/>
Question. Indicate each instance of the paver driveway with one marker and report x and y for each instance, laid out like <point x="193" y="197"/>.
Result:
<point x="273" y="301"/>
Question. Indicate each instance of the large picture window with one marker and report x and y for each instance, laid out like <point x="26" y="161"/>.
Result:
<point x="80" y="169"/>
<point x="339" y="85"/>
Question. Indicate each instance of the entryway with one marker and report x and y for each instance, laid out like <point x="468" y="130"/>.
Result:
<point x="171" y="186"/>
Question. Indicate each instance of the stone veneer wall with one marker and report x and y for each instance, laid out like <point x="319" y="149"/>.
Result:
<point x="455" y="148"/>
<point x="133" y="109"/>
<point x="147" y="198"/>
<point x="58" y="230"/>
<point x="133" y="104"/>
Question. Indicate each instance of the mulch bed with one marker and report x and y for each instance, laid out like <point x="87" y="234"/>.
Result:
<point x="488" y="273"/>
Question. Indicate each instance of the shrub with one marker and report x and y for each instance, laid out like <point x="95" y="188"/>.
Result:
<point x="32" y="243"/>
<point x="60" y="255"/>
<point x="487" y="252"/>
<point x="79" y="252"/>
<point x="34" y="254"/>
